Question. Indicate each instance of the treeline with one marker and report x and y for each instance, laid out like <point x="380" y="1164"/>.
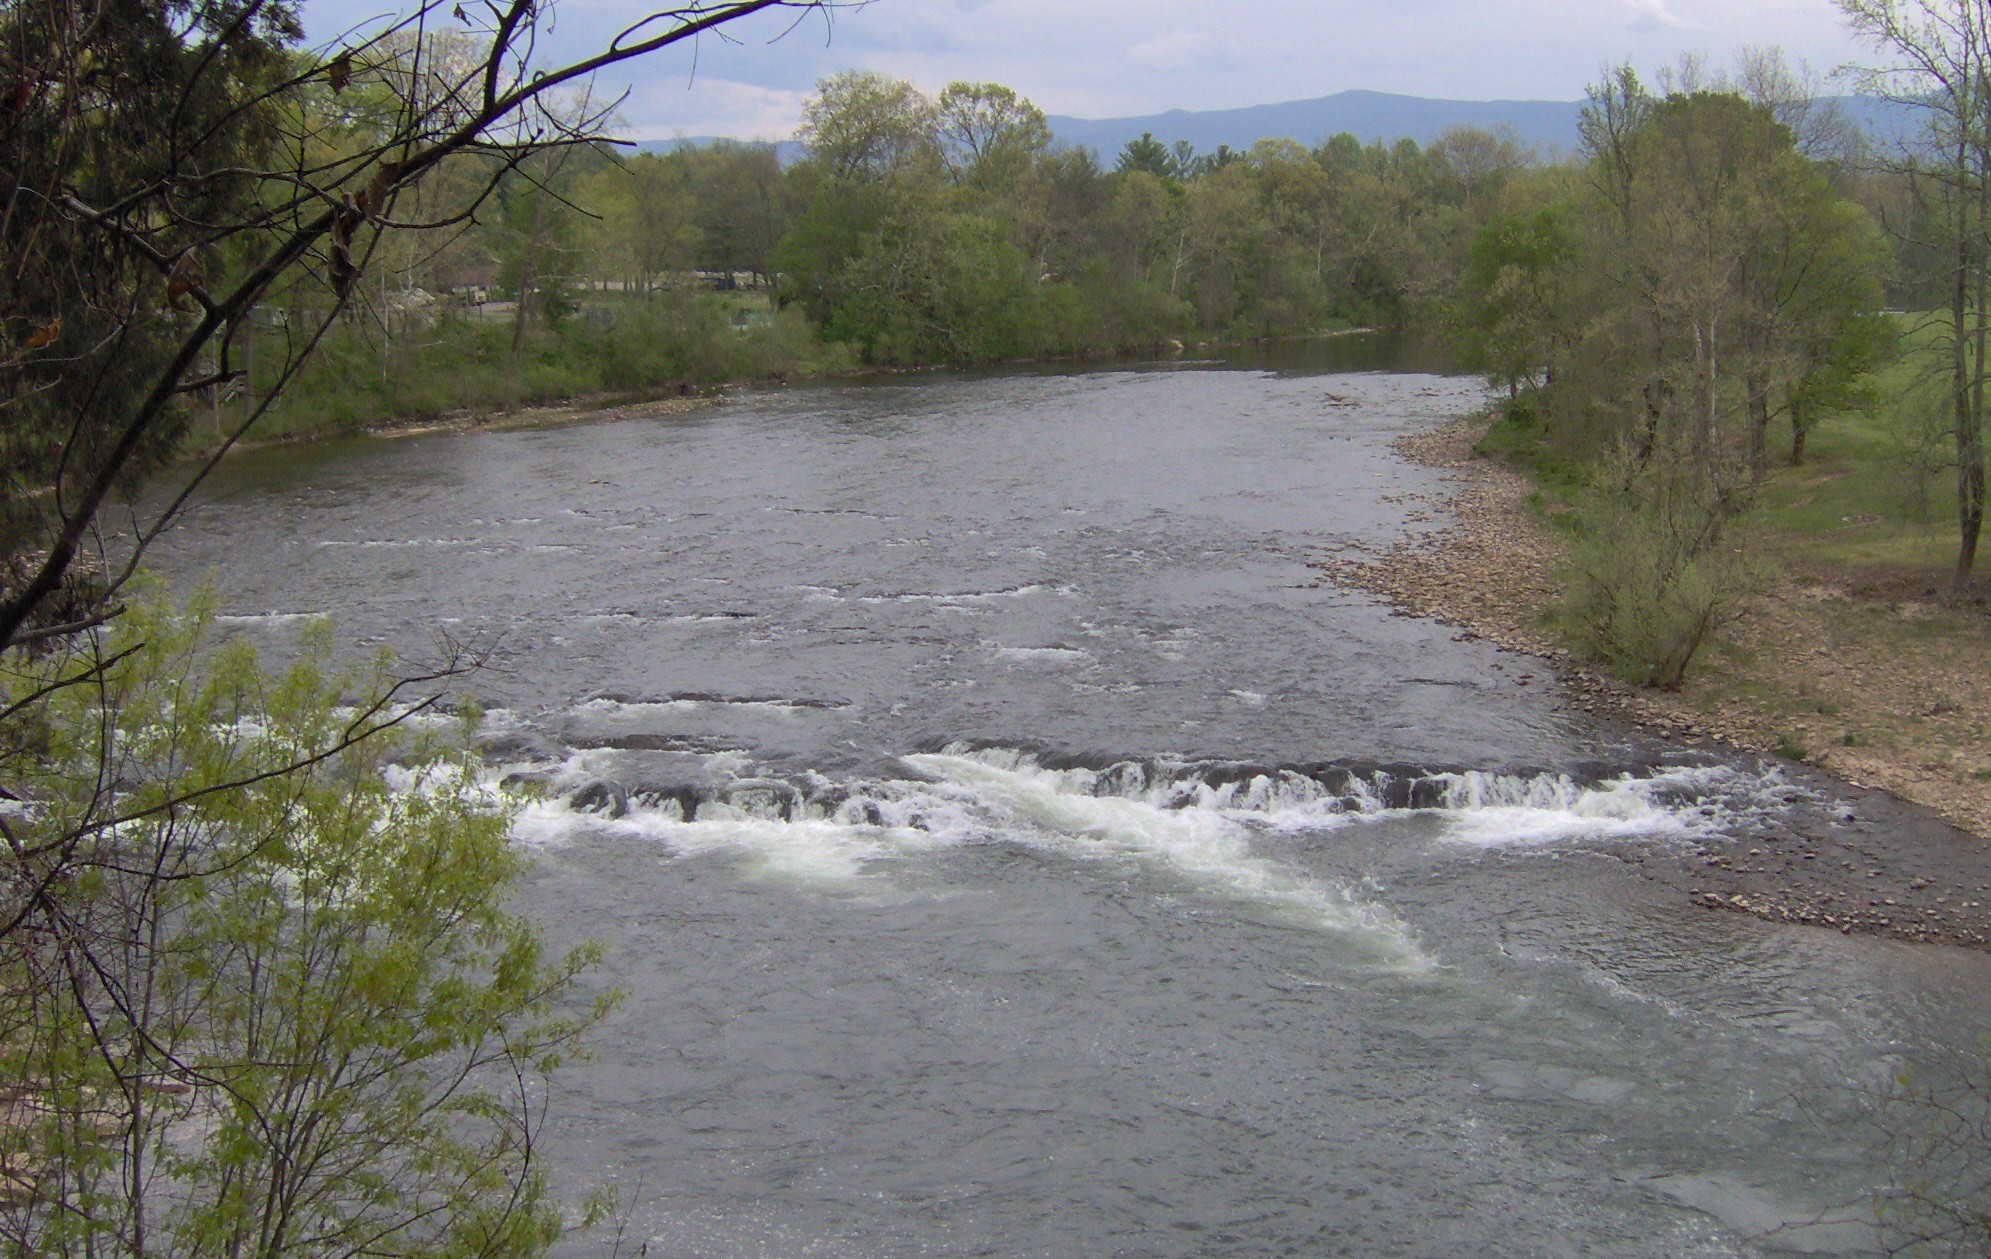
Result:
<point x="952" y="229"/>
<point x="1703" y="274"/>
<point x="1673" y="311"/>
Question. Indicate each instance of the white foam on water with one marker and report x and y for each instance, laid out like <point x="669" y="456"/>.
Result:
<point x="970" y="596"/>
<point x="1207" y="830"/>
<point x="1207" y="845"/>
<point x="978" y="798"/>
<point x="1500" y="810"/>
<point x="267" y="618"/>
<point x="374" y="543"/>
<point x="815" y="851"/>
<point x="638" y="709"/>
<point x="1042" y="655"/>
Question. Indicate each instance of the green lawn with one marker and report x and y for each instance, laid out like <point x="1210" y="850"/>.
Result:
<point x="1875" y="501"/>
<point x="1872" y="508"/>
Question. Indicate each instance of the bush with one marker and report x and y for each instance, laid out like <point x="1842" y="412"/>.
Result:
<point x="1655" y="581"/>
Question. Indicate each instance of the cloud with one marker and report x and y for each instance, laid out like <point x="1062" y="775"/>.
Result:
<point x="710" y="107"/>
<point x="1182" y="50"/>
<point x="1111" y="58"/>
<point x="1657" y="15"/>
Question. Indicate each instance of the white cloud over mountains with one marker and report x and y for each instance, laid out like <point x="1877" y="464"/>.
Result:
<point x="1106" y="58"/>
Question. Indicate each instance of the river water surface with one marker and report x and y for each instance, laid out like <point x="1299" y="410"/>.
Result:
<point x="1006" y="850"/>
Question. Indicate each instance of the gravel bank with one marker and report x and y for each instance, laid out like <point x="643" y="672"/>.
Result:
<point x="1909" y="860"/>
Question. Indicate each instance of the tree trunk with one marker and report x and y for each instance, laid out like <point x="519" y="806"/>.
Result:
<point x="1966" y="384"/>
<point x="1648" y="438"/>
<point x="1759" y="426"/>
<point x="1800" y="426"/>
<point x="249" y="364"/>
<point x="528" y="277"/>
<point x="521" y="310"/>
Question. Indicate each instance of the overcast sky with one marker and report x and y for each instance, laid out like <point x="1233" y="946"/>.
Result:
<point x="1112" y="58"/>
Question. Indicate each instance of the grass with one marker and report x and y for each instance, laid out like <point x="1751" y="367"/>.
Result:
<point x="1872" y="508"/>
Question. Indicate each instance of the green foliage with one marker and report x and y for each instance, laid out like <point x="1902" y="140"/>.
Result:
<point x="866" y="127"/>
<point x="266" y="995"/>
<point x="614" y="344"/>
<point x="1148" y="156"/>
<point x="1510" y="301"/>
<point x="1653" y="313"/>
<point x="1657" y="575"/>
<point x="990" y="136"/>
<point x="1001" y="248"/>
<point x="87" y="319"/>
<point x="917" y="232"/>
<point x="1701" y="281"/>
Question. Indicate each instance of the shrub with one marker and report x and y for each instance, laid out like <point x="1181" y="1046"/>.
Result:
<point x="1654" y="581"/>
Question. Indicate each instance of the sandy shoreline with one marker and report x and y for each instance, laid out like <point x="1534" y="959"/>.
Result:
<point x="1492" y="569"/>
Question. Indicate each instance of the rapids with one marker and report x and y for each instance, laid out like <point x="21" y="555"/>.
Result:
<point x="1005" y="851"/>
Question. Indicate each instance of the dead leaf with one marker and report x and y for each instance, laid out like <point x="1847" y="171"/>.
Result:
<point x="374" y="200"/>
<point x="184" y="278"/>
<point x="45" y="336"/>
<point x="340" y="73"/>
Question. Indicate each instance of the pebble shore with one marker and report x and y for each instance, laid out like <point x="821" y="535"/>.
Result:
<point x="1919" y="872"/>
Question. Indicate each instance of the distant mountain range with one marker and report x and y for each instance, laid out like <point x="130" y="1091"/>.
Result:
<point x="1550" y="127"/>
<point x="1547" y="126"/>
<point x="789" y="151"/>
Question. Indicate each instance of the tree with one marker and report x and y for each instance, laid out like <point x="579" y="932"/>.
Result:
<point x="989" y="134"/>
<point x="261" y="999"/>
<point x="1696" y="278"/>
<point x="743" y="206"/>
<point x="863" y="127"/>
<point x="1939" y="65"/>
<point x="645" y="220"/>
<point x="1148" y="156"/>
<point x="536" y="212"/>
<point x="1513" y="309"/>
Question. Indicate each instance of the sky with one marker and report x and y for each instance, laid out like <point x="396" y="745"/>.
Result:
<point x="1115" y="58"/>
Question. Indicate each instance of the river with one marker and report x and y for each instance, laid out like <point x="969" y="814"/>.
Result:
<point x="1006" y="849"/>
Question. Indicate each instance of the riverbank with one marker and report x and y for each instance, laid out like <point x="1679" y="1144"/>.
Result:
<point x="669" y="400"/>
<point x="1886" y="695"/>
<point x="674" y="394"/>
